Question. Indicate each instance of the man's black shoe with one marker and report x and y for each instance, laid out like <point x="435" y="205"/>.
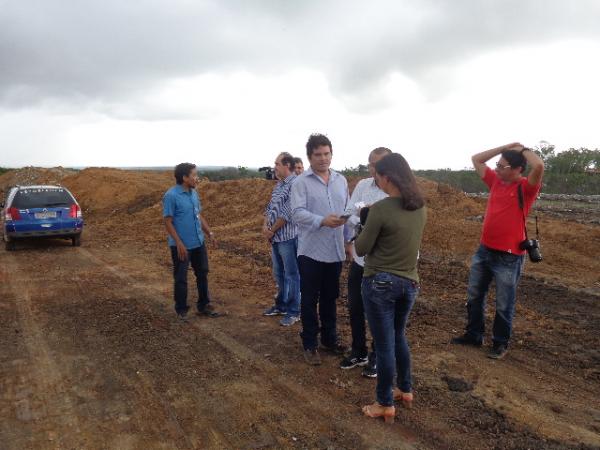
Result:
<point x="208" y="311"/>
<point x="370" y="371"/>
<point x="350" y="362"/>
<point x="498" y="351"/>
<point x="337" y="349"/>
<point x="465" y="339"/>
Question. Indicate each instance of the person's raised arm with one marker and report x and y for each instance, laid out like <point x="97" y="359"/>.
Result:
<point x="480" y="159"/>
<point x="536" y="164"/>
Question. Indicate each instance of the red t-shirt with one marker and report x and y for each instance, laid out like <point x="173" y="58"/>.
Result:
<point x="503" y="227"/>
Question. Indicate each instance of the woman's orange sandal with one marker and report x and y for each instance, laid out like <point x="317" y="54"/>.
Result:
<point x="377" y="410"/>
<point x="405" y="397"/>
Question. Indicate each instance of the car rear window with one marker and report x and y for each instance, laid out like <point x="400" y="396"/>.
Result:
<point x="42" y="198"/>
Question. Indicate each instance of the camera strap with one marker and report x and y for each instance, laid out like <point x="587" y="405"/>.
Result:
<point x="522" y="207"/>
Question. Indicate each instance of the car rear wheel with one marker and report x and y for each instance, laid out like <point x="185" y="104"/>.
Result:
<point x="76" y="240"/>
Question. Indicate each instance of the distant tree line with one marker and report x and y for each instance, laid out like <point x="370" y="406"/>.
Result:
<point x="230" y="173"/>
<point x="3" y="170"/>
<point x="573" y="171"/>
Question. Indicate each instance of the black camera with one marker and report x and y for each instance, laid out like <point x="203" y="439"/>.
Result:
<point x="269" y="174"/>
<point x="533" y="249"/>
<point x="364" y="214"/>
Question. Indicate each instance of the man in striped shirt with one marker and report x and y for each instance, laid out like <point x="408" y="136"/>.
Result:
<point x="319" y="198"/>
<point x="279" y="229"/>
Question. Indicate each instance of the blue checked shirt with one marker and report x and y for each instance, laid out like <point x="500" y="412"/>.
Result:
<point x="280" y="206"/>
<point x="312" y="201"/>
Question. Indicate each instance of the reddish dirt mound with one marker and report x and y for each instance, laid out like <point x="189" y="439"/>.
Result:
<point x="126" y="205"/>
<point x="33" y="175"/>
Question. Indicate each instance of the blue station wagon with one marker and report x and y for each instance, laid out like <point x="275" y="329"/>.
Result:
<point x="41" y="211"/>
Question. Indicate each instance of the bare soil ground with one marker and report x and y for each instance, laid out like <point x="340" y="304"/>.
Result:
<point x="93" y="357"/>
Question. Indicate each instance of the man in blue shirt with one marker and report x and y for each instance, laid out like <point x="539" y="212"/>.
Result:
<point x="282" y="233"/>
<point x="186" y="230"/>
<point x="319" y="198"/>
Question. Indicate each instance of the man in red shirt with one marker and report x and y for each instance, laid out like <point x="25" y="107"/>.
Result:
<point x="499" y="255"/>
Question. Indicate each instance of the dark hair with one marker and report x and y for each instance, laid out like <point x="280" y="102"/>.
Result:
<point x="315" y="141"/>
<point x="287" y="160"/>
<point x="298" y="161"/>
<point x="395" y="167"/>
<point x="380" y="151"/>
<point x="182" y="170"/>
<point x="515" y="159"/>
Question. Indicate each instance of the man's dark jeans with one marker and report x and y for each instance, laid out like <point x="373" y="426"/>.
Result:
<point x="319" y="284"/>
<point x="198" y="258"/>
<point x="357" y="311"/>
<point x="388" y="301"/>
<point x="506" y="269"/>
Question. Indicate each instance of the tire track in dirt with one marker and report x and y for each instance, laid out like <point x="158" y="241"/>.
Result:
<point x="43" y="372"/>
<point x="374" y="435"/>
<point x="70" y="425"/>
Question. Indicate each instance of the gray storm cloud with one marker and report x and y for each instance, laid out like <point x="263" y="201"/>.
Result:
<point x="92" y="52"/>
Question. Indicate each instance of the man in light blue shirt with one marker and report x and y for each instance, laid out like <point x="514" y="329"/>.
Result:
<point x="186" y="229"/>
<point x="319" y="198"/>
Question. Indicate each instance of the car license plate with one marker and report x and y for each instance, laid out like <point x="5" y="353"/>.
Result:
<point x="46" y="215"/>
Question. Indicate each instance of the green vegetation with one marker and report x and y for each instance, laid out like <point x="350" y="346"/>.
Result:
<point x="230" y="173"/>
<point x="573" y="171"/>
<point x="3" y="170"/>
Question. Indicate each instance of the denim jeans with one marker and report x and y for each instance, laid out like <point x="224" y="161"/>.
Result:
<point x="356" y="311"/>
<point x="287" y="276"/>
<point x="199" y="261"/>
<point x="319" y="285"/>
<point x="506" y="269"/>
<point x="388" y="300"/>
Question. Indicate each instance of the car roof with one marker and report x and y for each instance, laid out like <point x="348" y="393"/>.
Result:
<point x="40" y="186"/>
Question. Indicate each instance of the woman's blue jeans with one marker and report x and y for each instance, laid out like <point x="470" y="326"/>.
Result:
<point x="388" y="300"/>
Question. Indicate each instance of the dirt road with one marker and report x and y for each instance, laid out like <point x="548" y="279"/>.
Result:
<point x="92" y="357"/>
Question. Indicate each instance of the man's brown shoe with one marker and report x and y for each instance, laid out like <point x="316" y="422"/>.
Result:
<point x="311" y="356"/>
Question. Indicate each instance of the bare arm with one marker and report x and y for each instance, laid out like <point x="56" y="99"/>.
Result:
<point x="537" y="167"/>
<point x="480" y="159"/>
<point x="206" y="229"/>
<point x="181" y="250"/>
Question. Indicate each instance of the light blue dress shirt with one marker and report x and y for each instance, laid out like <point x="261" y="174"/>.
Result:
<point x="312" y="201"/>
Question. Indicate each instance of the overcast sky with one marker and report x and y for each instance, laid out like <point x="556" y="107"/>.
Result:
<point x="150" y="82"/>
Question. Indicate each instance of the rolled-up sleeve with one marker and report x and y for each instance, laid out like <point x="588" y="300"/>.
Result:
<point x="299" y="208"/>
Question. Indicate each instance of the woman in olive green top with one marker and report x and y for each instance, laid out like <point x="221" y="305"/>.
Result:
<point x="390" y="240"/>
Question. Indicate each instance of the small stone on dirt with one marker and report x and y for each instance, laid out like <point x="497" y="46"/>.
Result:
<point x="457" y="384"/>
